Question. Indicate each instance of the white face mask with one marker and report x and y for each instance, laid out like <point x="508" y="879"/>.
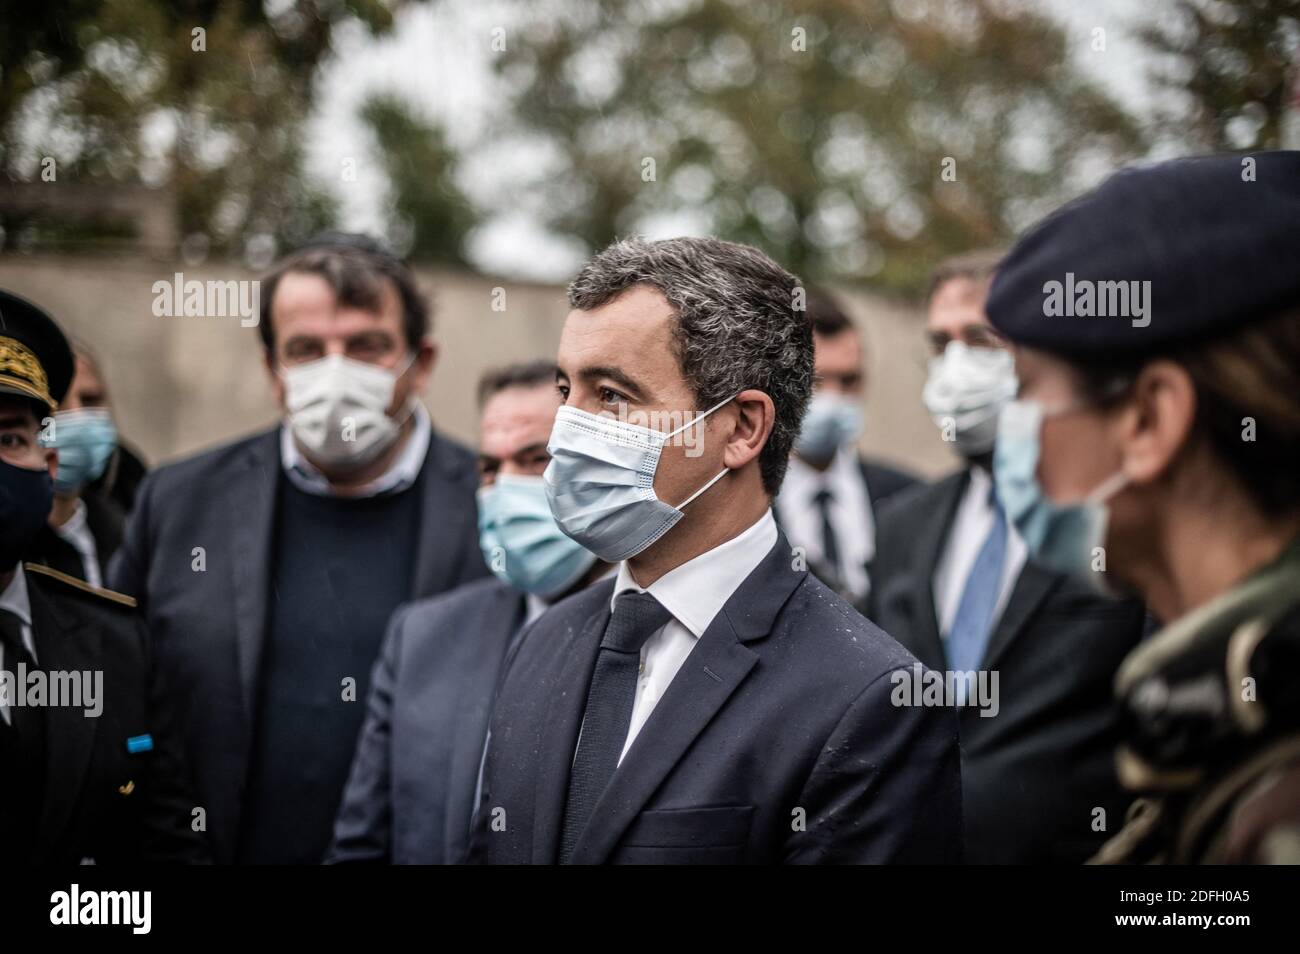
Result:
<point x="600" y="482"/>
<point x="338" y="408"/>
<point x="966" y="390"/>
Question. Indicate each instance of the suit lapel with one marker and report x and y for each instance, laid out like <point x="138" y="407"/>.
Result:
<point x="573" y="665"/>
<point x="1030" y="589"/>
<point x="250" y="504"/>
<point x="501" y="618"/>
<point x="443" y="518"/>
<point x="930" y="539"/>
<point x="64" y="642"/>
<point x="714" y="669"/>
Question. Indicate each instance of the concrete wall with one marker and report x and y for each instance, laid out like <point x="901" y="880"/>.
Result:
<point x="181" y="384"/>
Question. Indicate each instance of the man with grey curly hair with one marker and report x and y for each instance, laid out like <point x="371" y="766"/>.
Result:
<point x="714" y="702"/>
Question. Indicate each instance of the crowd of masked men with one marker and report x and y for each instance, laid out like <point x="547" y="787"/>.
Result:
<point x="665" y="611"/>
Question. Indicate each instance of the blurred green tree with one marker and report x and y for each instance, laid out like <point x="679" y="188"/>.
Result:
<point x="849" y="138"/>
<point x="428" y="216"/>
<point x="208" y="97"/>
<point x="1231" y="71"/>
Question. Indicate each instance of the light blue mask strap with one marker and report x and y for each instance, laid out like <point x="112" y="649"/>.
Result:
<point x="697" y="419"/>
<point x="722" y="473"/>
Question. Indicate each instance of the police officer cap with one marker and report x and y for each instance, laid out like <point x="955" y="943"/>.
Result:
<point x="1157" y="255"/>
<point x="35" y="358"/>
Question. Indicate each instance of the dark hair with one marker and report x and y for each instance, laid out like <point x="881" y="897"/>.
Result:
<point x="356" y="269"/>
<point x="1253" y="373"/>
<point x="527" y="374"/>
<point x="825" y="314"/>
<point x="975" y="266"/>
<point x="736" y="325"/>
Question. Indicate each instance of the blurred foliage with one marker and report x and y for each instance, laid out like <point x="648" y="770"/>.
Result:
<point x="428" y="216"/>
<point x="828" y="156"/>
<point x="120" y="90"/>
<point x="1233" y="69"/>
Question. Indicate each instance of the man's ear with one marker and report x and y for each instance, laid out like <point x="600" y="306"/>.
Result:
<point x="277" y="384"/>
<point x="426" y="356"/>
<point x="755" y="417"/>
<point x="1157" y="421"/>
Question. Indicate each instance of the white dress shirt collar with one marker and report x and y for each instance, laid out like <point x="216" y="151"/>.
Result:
<point x="698" y="589"/>
<point x="15" y="600"/>
<point x="403" y="472"/>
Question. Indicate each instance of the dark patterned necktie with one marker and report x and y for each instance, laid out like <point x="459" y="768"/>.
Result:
<point x="608" y="715"/>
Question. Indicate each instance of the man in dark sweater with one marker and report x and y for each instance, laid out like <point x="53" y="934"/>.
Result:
<point x="267" y="569"/>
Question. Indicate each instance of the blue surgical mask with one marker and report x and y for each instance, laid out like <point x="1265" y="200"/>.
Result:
<point x="831" y="421"/>
<point x="1060" y="537"/>
<point x="521" y="541"/>
<point x="85" y="439"/>
<point x="600" y="482"/>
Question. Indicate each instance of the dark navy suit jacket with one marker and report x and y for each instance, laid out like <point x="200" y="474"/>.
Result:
<point x="1034" y="774"/>
<point x="410" y="795"/>
<point x="209" y="626"/>
<point x="777" y="741"/>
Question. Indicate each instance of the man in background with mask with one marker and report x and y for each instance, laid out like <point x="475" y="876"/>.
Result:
<point x="828" y="501"/>
<point x="268" y="569"/>
<point x="953" y="583"/>
<point x="94" y="776"/>
<point x="410" y="796"/>
<point x="715" y="703"/>
<point x="86" y="523"/>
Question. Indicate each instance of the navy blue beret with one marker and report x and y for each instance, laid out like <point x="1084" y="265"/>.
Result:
<point x="1157" y="255"/>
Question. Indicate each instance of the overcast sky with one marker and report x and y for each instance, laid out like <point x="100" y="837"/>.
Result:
<point x="439" y="59"/>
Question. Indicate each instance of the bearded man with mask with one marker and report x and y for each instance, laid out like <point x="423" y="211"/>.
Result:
<point x="97" y="777"/>
<point x="953" y="582"/>
<point x="267" y="570"/>
<point x="410" y="795"/>
<point x="831" y="494"/>
<point x="714" y="703"/>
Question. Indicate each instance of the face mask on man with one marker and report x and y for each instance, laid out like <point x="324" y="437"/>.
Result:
<point x="26" y="497"/>
<point x="831" y="421"/>
<point x="85" y="439"/>
<point x="338" y="408"/>
<point x="1062" y="537"/>
<point x="966" y="390"/>
<point x="600" y="482"/>
<point x="521" y="541"/>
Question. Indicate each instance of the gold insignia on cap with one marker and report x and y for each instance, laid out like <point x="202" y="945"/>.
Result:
<point x="19" y="368"/>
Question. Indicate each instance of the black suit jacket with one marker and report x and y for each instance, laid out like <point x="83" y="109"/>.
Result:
<point x="106" y="523"/>
<point x="777" y="741"/>
<point x="1032" y="774"/>
<point x="410" y="794"/>
<point x="884" y="481"/>
<point x="209" y="624"/>
<point x="103" y="802"/>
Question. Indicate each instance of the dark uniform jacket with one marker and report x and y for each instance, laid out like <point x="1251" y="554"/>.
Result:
<point x="110" y="788"/>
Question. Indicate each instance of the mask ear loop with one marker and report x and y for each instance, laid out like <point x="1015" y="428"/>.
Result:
<point x="717" y="477"/>
<point x="700" y="417"/>
<point x="1108" y="488"/>
<point x="722" y="473"/>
